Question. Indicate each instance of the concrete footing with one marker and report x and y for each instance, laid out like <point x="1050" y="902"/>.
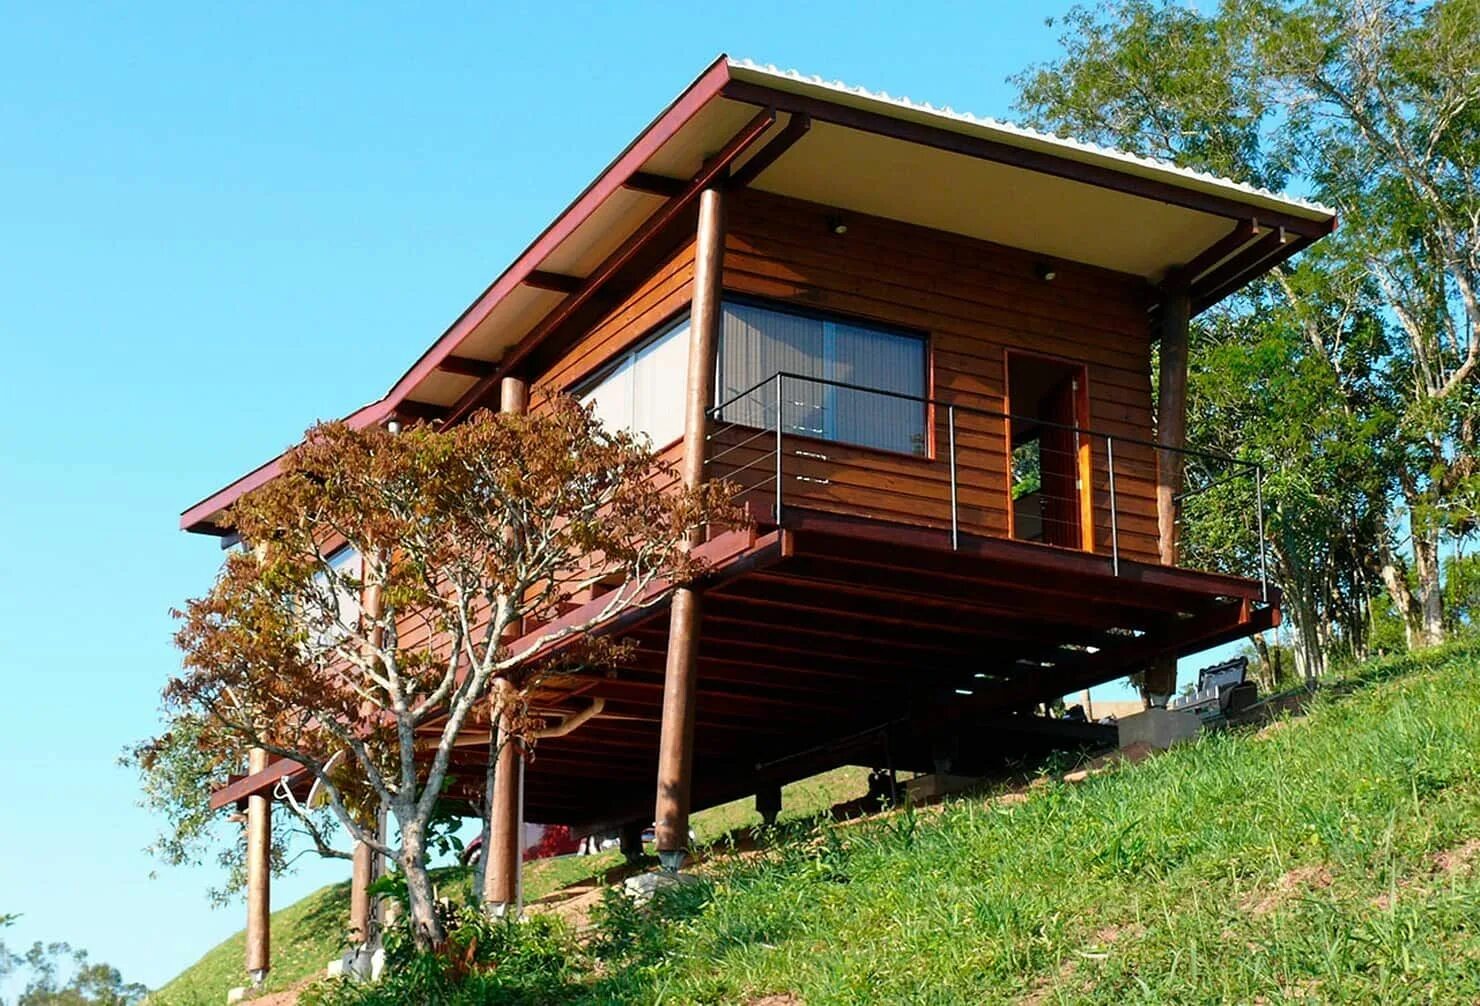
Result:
<point x="642" y="887"/>
<point x="1160" y="728"/>
<point x="925" y="788"/>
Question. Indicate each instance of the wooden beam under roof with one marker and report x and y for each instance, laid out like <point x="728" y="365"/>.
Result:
<point x="654" y="185"/>
<point x="558" y="282"/>
<point x="714" y="169"/>
<point x="466" y="366"/>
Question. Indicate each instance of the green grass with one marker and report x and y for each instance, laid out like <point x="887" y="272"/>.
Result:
<point x="1303" y="864"/>
<point x="1333" y="858"/>
<point x="306" y="935"/>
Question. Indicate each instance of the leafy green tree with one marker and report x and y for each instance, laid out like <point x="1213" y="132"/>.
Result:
<point x="1360" y="362"/>
<point x="1382" y="106"/>
<point x="177" y="772"/>
<point x="58" y="975"/>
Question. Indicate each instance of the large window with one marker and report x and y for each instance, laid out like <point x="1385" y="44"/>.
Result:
<point x="643" y="393"/>
<point x="758" y="342"/>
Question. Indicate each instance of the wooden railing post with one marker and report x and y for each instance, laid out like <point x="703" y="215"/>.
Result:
<point x="259" y="875"/>
<point x="676" y="746"/>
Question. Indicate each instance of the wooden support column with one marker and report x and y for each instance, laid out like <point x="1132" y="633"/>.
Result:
<point x="630" y="841"/>
<point x="676" y="747"/>
<point x="361" y="916"/>
<point x="1159" y="679"/>
<point x="513" y="396"/>
<point x="502" y="854"/>
<point x="1171" y="413"/>
<point x="501" y="871"/>
<point x="768" y="803"/>
<point x="259" y="874"/>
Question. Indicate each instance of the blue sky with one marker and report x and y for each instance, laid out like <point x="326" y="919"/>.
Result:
<point x="221" y="223"/>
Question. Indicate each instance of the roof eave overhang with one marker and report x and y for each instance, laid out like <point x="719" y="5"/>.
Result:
<point x="1296" y="223"/>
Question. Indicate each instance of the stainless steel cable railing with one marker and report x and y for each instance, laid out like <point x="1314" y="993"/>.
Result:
<point x="828" y="444"/>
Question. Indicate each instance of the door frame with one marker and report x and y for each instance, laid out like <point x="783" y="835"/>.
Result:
<point x="1084" y="454"/>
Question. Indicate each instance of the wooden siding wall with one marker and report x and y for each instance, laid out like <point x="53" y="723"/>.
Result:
<point x="974" y="302"/>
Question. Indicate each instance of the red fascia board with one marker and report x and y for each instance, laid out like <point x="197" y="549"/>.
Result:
<point x="707" y="86"/>
<point x="198" y="517"/>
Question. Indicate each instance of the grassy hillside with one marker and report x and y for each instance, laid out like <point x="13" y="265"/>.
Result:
<point x="1333" y="858"/>
<point x="306" y="935"/>
<point x="1329" y="858"/>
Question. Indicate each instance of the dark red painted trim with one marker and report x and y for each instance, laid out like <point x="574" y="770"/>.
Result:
<point x="616" y="175"/>
<point x="251" y="785"/>
<point x="199" y="517"/>
<point x="708" y="86"/>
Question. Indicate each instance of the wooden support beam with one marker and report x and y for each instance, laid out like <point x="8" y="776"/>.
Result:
<point x="676" y="744"/>
<point x="768" y="803"/>
<point x="466" y="366"/>
<point x="1243" y="232"/>
<point x="630" y="837"/>
<point x="513" y="396"/>
<point x="501" y="866"/>
<point x="1259" y="258"/>
<point x="504" y="794"/>
<point x="713" y="172"/>
<point x="654" y="185"/>
<point x="361" y="914"/>
<point x="768" y="155"/>
<point x="259" y="876"/>
<point x="558" y="282"/>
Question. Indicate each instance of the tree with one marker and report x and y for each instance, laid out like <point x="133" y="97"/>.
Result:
<point x="1382" y="99"/>
<point x="1373" y="107"/>
<point x="171" y="770"/>
<point x="366" y="621"/>
<point x="62" y="976"/>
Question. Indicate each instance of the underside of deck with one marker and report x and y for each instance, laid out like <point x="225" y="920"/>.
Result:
<point x="832" y="641"/>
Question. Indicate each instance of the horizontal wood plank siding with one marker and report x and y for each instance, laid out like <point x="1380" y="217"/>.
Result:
<point x="975" y="301"/>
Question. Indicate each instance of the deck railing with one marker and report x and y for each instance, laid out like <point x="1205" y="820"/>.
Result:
<point x="793" y="440"/>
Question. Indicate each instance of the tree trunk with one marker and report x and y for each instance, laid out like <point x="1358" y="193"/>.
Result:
<point x="1422" y="610"/>
<point x="426" y="928"/>
<point x="1265" y="675"/>
<point x="1430" y="606"/>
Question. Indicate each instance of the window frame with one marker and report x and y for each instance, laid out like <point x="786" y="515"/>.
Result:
<point x="582" y="387"/>
<point x="579" y="389"/>
<point x="927" y="361"/>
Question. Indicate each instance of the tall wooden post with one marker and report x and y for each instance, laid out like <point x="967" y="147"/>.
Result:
<point x="1159" y="680"/>
<point x="501" y="865"/>
<point x="513" y="396"/>
<point x="1171" y="413"/>
<point x="259" y="874"/>
<point x="501" y="871"/>
<point x="676" y="748"/>
<point x="362" y="875"/>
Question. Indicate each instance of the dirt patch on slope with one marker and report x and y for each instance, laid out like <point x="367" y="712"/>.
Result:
<point x="1459" y="860"/>
<point x="1293" y="884"/>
